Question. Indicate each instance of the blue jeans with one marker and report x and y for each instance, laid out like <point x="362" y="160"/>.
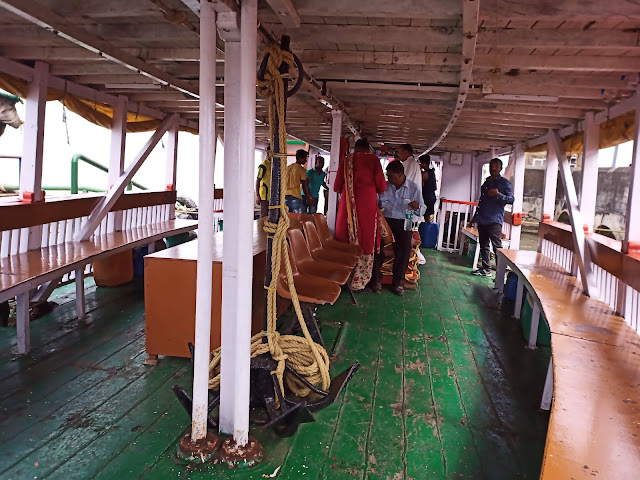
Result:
<point x="295" y="204"/>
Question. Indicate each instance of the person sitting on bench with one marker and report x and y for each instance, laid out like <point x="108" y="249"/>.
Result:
<point x="401" y="196"/>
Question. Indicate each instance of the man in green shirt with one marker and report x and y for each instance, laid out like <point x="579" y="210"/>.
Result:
<point x="316" y="177"/>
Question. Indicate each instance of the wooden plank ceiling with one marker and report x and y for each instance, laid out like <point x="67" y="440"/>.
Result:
<point x="394" y="65"/>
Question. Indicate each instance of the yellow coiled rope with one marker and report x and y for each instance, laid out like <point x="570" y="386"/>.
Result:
<point x="305" y="356"/>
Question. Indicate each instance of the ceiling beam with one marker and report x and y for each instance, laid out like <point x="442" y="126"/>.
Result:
<point x="376" y="8"/>
<point x="560" y="9"/>
<point x="524" y="78"/>
<point x="52" y="22"/>
<point x="574" y="63"/>
<point x="286" y="12"/>
<point x="313" y="35"/>
<point x="617" y="40"/>
<point x="80" y="54"/>
<point x="470" y="12"/>
<point x="333" y="57"/>
<point x="357" y="72"/>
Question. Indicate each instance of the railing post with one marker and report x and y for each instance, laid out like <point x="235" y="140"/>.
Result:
<point x="334" y="162"/>
<point x="518" y="193"/>
<point x="631" y="239"/>
<point x="589" y="175"/>
<point x="550" y="184"/>
<point x="204" y="275"/>
<point x="581" y="251"/>
<point x="116" y="155"/>
<point x="32" y="148"/>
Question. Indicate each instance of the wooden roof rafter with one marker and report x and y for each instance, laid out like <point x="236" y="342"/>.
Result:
<point x="54" y="23"/>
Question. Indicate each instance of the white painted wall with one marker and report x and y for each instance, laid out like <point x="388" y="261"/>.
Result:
<point x="456" y="179"/>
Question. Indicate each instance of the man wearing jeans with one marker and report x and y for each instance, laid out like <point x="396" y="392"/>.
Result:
<point x="297" y="183"/>
<point x="496" y="192"/>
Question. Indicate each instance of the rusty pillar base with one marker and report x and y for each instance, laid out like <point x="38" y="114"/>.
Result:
<point x="234" y="456"/>
<point x="198" y="452"/>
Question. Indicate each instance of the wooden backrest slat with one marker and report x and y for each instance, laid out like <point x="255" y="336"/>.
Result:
<point x="21" y="215"/>
<point x="604" y="252"/>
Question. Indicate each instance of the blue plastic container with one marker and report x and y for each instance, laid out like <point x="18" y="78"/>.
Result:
<point x="138" y="260"/>
<point x="428" y="234"/>
<point x="511" y="287"/>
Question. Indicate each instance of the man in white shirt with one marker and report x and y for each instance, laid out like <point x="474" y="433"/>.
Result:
<point x="411" y="167"/>
<point x="413" y="172"/>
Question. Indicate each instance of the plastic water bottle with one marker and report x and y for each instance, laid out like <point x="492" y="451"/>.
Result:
<point x="408" y="220"/>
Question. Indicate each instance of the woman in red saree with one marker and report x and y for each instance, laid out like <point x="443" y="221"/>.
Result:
<point x="359" y="180"/>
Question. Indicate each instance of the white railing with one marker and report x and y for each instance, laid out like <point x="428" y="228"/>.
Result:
<point x="556" y="243"/>
<point x="560" y="255"/>
<point x="456" y="215"/>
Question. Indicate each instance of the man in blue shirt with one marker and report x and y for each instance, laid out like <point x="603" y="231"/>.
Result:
<point x="401" y="195"/>
<point x="316" y="177"/>
<point x="496" y="192"/>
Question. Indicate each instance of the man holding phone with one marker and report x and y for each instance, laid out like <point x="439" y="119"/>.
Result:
<point x="496" y="192"/>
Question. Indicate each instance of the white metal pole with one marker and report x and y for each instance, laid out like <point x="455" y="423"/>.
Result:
<point x="33" y="139"/>
<point x="116" y="156"/>
<point x="237" y="266"/>
<point x="118" y="140"/>
<point x="207" y="138"/>
<point x="334" y="162"/>
<point x="632" y="230"/>
<point x="550" y="184"/>
<point x="518" y="193"/>
<point x="172" y="157"/>
<point x="589" y="181"/>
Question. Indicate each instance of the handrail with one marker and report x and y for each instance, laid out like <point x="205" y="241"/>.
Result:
<point x="20" y="215"/>
<point x="74" y="172"/>
<point x="458" y="201"/>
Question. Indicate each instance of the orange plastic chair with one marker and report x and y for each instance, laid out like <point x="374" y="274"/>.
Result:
<point x="329" y="242"/>
<point x="311" y="291"/>
<point x="317" y="268"/>
<point x="318" y="252"/>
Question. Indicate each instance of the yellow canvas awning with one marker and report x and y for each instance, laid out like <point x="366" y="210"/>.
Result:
<point x="96" y="112"/>
<point x="612" y="132"/>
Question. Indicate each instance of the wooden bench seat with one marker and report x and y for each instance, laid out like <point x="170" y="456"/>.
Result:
<point x="566" y="309"/>
<point x="472" y="233"/>
<point x="28" y="270"/>
<point x="594" y="374"/>
<point x="25" y="271"/>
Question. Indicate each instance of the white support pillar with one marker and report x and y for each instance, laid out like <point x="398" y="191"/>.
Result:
<point x="631" y="240"/>
<point x="80" y="305"/>
<point x="632" y="226"/>
<point x="237" y="266"/>
<point x="22" y="323"/>
<point x="171" y="166"/>
<point x="116" y="155"/>
<point x="581" y="252"/>
<point x="547" y="393"/>
<point x="533" y="328"/>
<point x="207" y="137"/>
<point x="518" y="194"/>
<point x="104" y="206"/>
<point x="334" y="162"/>
<point x="550" y="184"/>
<point x="589" y="177"/>
<point x="33" y="139"/>
<point x="32" y="149"/>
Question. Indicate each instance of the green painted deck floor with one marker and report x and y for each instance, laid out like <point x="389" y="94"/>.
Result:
<point x="446" y="390"/>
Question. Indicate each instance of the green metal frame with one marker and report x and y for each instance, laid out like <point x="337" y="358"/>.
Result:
<point x="78" y="157"/>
